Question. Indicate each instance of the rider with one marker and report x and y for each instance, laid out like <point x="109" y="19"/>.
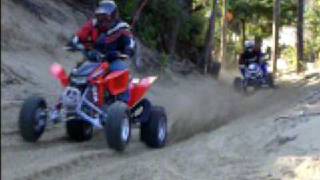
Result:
<point x="251" y="54"/>
<point x="109" y="35"/>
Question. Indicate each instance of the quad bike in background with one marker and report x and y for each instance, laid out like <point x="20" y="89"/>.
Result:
<point x="90" y="101"/>
<point x="253" y="77"/>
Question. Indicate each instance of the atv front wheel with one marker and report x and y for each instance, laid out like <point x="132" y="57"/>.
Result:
<point x="237" y="83"/>
<point x="270" y="80"/>
<point x="154" y="131"/>
<point x="117" y="126"/>
<point x="240" y="85"/>
<point x="79" y="130"/>
<point x="33" y="118"/>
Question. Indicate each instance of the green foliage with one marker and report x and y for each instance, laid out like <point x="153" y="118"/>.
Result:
<point x="313" y="27"/>
<point x="193" y="29"/>
<point x="290" y="54"/>
<point x="238" y="47"/>
<point x="127" y="10"/>
<point x="164" y="60"/>
<point x="258" y="14"/>
<point x="159" y="17"/>
<point x="263" y="29"/>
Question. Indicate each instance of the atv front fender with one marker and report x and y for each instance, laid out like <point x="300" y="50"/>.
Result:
<point x="58" y="72"/>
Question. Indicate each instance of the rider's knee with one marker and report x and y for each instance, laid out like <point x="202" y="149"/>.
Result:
<point x="118" y="65"/>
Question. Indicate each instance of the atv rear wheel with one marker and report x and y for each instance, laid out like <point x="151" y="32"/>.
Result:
<point x="33" y="118"/>
<point x="143" y="116"/>
<point x="79" y="130"/>
<point x="117" y="126"/>
<point x="154" y="131"/>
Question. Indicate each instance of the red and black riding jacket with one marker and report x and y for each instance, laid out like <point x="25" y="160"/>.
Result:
<point x="118" y="38"/>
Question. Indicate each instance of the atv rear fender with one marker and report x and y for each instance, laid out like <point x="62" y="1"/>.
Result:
<point x="139" y="88"/>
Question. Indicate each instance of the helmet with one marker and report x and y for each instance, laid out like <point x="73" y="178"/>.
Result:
<point x="106" y="14"/>
<point x="104" y="1"/>
<point x="249" y="44"/>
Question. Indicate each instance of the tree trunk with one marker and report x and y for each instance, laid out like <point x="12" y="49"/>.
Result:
<point x="175" y="30"/>
<point x="174" y="37"/>
<point x="210" y="38"/>
<point x="275" y="35"/>
<point x="138" y="58"/>
<point x="243" y="23"/>
<point x="137" y="14"/>
<point x="300" y="35"/>
<point x="224" y="32"/>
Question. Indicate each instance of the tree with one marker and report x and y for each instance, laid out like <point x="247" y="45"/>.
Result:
<point x="275" y="36"/>
<point x="137" y="13"/>
<point x="255" y="17"/>
<point x="210" y="38"/>
<point x="251" y="16"/>
<point x="300" y="35"/>
<point x="312" y="27"/>
<point x="241" y="9"/>
<point x="223" y="32"/>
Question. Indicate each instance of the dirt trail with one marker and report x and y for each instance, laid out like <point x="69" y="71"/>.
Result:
<point x="245" y="146"/>
<point x="214" y="132"/>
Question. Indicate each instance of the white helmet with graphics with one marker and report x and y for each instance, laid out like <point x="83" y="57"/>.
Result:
<point x="249" y="45"/>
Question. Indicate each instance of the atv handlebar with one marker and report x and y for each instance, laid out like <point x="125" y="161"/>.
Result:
<point x="93" y="55"/>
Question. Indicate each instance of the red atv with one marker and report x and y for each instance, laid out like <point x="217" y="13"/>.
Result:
<point x="90" y="100"/>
